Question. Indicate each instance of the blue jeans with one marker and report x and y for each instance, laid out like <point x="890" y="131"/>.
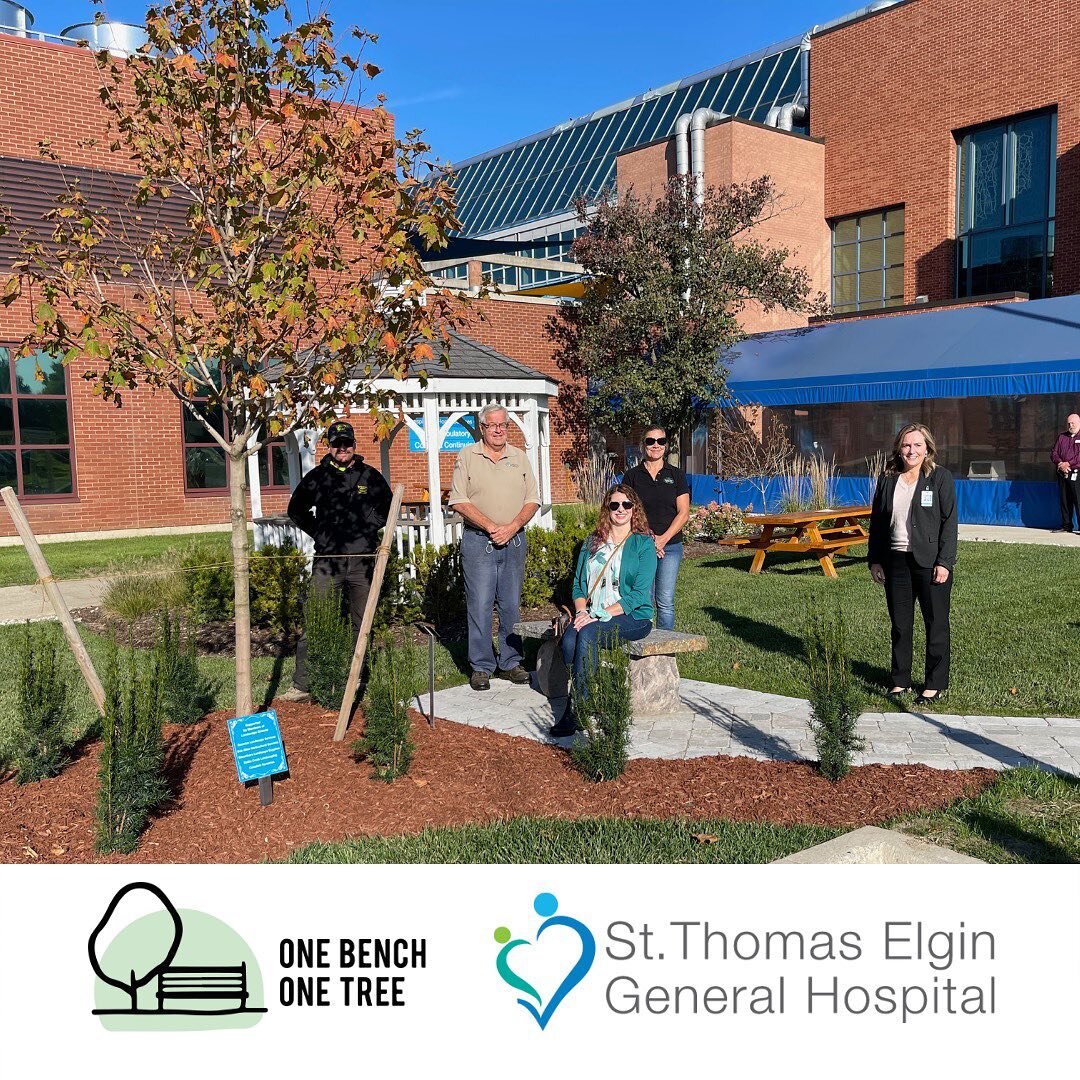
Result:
<point x="581" y="648"/>
<point x="667" y="569"/>
<point x="493" y="578"/>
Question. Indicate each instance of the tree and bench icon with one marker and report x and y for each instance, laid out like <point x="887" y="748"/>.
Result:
<point x="178" y="995"/>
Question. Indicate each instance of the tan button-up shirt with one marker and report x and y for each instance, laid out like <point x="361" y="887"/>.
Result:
<point x="498" y="489"/>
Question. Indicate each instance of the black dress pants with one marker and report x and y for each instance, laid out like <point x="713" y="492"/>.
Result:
<point x="351" y="578"/>
<point x="1069" y="496"/>
<point x="905" y="582"/>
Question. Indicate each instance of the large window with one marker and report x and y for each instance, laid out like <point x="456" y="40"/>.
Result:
<point x="868" y="261"/>
<point x="36" y="457"/>
<point x="1005" y="207"/>
<point x="977" y="437"/>
<point x="206" y="467"/>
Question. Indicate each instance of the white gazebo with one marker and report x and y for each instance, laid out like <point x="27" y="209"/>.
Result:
<point x="477" y="376"/>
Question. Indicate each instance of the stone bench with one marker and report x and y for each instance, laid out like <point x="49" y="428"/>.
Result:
<point x="654" y="673"/>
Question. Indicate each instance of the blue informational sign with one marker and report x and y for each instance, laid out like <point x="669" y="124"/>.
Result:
<point x="256" y="745"/>
<point x="457" y="438"/>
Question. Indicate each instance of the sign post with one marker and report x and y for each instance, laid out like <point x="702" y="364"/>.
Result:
<point x="258" y="751"/>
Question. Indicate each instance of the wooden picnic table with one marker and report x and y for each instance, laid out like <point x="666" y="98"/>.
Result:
<point x="801" y="532"/>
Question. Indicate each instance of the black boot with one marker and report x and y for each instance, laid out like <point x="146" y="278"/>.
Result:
<point x="567" y="724"/>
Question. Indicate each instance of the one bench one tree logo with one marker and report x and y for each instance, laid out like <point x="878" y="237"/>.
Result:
<point x="196" y="971"/>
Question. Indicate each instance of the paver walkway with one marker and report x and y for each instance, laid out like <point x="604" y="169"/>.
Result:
<point x="21" y="602"/>
<point x="746" y="723"/>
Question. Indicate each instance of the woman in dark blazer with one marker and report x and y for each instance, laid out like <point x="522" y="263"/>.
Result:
<point x="913" y="534"/>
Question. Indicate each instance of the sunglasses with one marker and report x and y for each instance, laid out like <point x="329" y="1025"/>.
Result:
<point x="338" y="444"/>
<point x="615" y="504"/>
<point x="650" y="441"/>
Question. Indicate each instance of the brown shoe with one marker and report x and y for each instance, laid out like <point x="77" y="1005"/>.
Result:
<point x="517" y="675"/>
<point x="296" y="695"/>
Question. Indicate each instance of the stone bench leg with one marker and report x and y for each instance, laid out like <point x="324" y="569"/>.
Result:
<point x="654" y="685"/>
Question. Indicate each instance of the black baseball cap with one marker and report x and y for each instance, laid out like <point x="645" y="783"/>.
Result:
<point x="339" y="431"/>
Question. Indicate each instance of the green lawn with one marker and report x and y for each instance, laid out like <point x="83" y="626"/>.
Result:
<point x="88" y="558"/>
<point x="1027" y="816"/>
<point x="1013" y="627"/>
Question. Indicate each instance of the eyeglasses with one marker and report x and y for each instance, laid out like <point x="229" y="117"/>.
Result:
<point x="494" y="427"/>
<point x="616" y="505"/>
<point x="650" y="441"/>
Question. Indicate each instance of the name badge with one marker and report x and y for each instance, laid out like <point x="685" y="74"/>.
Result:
<point x="927" y="498"/>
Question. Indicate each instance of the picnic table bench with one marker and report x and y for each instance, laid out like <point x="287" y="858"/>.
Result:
<point x="800" y="531"/>
<point x="654" y="673"/>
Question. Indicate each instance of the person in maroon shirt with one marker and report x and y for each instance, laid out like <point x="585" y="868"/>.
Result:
<point x="1066" y="459"/>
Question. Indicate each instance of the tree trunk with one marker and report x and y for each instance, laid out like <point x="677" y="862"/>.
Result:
<point x="241" y="589"/>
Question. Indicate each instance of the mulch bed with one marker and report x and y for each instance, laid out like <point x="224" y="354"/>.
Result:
<point x="459" y="776"/>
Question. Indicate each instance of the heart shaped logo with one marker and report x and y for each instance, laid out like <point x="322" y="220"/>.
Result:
<point x="546" y="905"/>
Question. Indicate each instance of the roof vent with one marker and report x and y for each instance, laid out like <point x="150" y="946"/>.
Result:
<point x="121" y="39"/>
<point x="14" y="18"/>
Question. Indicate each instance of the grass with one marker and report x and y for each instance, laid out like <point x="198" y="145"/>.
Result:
<point x="89" y="558"/>
<point x="591" y="840"/>
<point x="1028" y="816"/>
<point x="1011" y="612"/>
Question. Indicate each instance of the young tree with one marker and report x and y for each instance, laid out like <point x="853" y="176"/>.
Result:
<point x="263" y="272"/>
<point x="748" y="447"/>
<point x="666" y="282"/>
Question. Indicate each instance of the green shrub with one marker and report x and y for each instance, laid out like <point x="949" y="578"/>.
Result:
<point x="131" y="777"/>
<point x="397" y="676"/>
<point x="834" y="699"/>
<point x="40" y="744"/>
<point x="550" y="561"/>
<point x="329" y="647"/>
<point x="186" y="694"/>
<point x="434" y="592"/>
<point x="145" y="586"/>
<point x="603" y="710"/>
<point x="576" y="516"/>
<point x="278" y="578"/>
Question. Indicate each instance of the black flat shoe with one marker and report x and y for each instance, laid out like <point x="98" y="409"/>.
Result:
<point x="567" y="724"/>
<point x="896" y="695"/>
<point x="934" y="695"/>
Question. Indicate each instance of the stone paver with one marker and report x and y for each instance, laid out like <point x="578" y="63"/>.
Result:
<point x="727" y="720"/>
<point x="21" y="602"/>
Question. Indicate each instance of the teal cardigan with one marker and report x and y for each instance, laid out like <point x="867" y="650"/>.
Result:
<point x="636" y="575"/>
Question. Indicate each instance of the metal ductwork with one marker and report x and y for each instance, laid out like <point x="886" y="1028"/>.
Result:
<point x="690" y="146"/>
<point x="15" y="19"/>
<point x="121" y="39"/>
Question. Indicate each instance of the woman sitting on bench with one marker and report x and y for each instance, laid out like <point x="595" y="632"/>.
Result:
<point x="612" y="591"/>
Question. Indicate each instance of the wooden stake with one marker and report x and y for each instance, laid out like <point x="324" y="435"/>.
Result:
<point x="52" y="591"/>
<point x="369" y="614"/>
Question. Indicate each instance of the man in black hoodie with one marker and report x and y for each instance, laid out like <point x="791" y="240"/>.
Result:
<point x="341" y="504"/>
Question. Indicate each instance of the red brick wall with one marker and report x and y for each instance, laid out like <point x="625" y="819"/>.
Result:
<point x="888" y="93"/>
<point x="737" y="151"/>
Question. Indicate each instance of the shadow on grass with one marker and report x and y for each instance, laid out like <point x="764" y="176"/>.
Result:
<point x="774" y="639"/>
<point x="1026" y="845"/>
<point x="788" y="562"/>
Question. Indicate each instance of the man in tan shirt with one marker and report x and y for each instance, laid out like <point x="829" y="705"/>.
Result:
<point x="495" y="491"/>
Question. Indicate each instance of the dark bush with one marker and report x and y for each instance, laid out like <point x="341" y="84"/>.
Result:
<point x="186" y="694"/>
<point x="397" y="676"/>
<point x="434" y="592"/>
<point x="131" y="781"/>
<point x="329" y="646"/>
<point x="40" y="747"/>
<point x="603" y="709"/>
<point x="834" y="699"/>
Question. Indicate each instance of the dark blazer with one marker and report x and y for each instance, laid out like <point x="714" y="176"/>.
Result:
<point x="933" y="529"/>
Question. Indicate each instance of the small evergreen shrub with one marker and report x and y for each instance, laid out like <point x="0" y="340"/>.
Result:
<point x="550" y="560"/>
<point x="397" y="676"/>
<point x="329" y="645"/>
<point x="209" y="587"/>
<point x="603" y="710"/>
<point x="426" y="586"/>
<point x="40" y="745"/>
<point x="279" y="577"/>
<point x="186" y="694"/>
<point x="131" y="781"/>
<point x="834" y="699"/>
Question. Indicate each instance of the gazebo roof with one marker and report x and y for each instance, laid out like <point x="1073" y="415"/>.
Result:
<point x="471" y="360"/>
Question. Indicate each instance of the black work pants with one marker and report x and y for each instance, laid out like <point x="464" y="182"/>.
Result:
<point x="905" y="582"/>
<point x="351" y="578"/>
<point x="1069" y="496"/>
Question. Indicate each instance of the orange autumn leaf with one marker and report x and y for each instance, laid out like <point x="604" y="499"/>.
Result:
<point x="389" y="342"/>
<point x="224" y="60"/>
<point x="423" y="352"/>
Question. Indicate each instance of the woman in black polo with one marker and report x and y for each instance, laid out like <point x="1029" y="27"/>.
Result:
<point x="665" y="494"/>
<point x="913" y="533"/>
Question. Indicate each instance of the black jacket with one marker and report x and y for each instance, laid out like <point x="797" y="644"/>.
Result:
<point x="342" y="510"/>
<point x="933" y="529"/>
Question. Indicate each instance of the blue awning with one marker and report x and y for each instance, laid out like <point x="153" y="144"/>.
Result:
<point x="1027" y="347"/>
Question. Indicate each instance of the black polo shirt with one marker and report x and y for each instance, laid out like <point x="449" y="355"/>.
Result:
<point x="659" y="495"/>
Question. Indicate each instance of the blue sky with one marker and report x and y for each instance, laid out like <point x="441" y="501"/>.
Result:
<point x="476" y="74"/>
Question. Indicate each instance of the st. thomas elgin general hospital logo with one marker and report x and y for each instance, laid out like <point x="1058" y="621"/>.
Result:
<point x="160" y="968"/>
<point x="521" y="961"/>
